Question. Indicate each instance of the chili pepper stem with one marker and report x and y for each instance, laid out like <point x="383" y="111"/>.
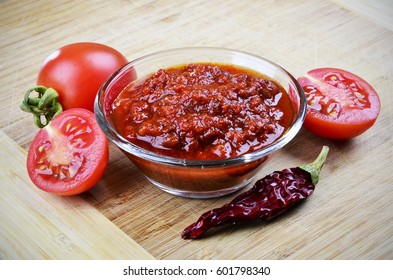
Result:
<point x="315" y="167"/>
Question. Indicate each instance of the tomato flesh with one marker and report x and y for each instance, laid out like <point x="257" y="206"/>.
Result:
<point x="78" y="70"/>
<point x="340" y="105"/>
<point x="69" y="155"/>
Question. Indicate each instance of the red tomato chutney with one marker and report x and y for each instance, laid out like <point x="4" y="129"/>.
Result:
<point x="203" y="111"/>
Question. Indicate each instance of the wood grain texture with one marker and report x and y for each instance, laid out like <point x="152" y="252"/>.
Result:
<point x="350" y="215"/>
<point x="36" y="225"/>
<point x="380" y="12"/>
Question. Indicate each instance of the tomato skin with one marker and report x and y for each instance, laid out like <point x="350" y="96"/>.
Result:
<point x="340" y="104"/>
<point x="337" y="131"/>
<point x="77" y="71"/>
<point x="69" y="155"/>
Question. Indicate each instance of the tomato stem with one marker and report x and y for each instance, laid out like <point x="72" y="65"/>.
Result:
<point x="315" y="167"/>
<point x="46" y="104"/>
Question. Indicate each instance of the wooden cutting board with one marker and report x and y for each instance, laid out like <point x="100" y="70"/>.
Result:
<point x="350" y="215"/>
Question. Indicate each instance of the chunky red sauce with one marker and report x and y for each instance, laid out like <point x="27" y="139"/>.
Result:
<point x="203" y="111"/>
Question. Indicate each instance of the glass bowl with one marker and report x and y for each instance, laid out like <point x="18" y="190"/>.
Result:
<point x="196" y="178"/>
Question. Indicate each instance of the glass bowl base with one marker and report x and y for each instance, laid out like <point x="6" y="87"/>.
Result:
<point x="200" y="194"/>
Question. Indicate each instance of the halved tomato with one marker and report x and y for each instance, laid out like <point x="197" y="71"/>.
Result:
<point x="340" y="105"/>
<point x="69" y="155"/>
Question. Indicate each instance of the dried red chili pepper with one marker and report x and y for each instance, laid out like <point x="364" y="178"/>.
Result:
<point x="269" y="197"/>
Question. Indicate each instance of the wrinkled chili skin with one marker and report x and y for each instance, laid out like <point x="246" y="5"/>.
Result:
<point x="269" y="197"/>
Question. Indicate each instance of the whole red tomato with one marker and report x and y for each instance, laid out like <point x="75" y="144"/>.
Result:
<point x="77" y="71"/>
<point x="340" y="104"/>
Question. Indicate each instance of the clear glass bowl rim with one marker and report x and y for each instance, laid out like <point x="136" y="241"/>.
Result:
<point x="137" y="151"/>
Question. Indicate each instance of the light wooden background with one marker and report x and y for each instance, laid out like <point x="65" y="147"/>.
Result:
<point x="350" y="215"/>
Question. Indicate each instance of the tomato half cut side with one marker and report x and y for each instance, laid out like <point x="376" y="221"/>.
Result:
<point x="69" y="155"/>
<point x="340" y="105"/>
